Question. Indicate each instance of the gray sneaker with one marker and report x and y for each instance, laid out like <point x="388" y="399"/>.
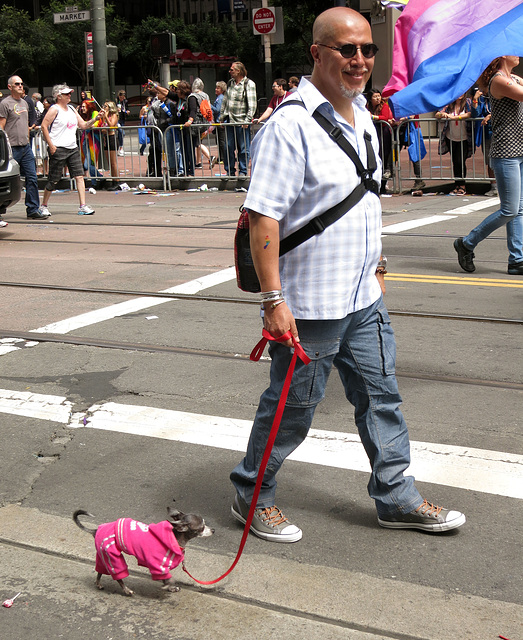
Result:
<point x="44" y="211"/>
<point x="268" y="524"/>
<point x="427" y="517"/>
<point x="85" y="210"/>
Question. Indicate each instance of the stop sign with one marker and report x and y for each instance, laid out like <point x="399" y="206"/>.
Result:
<point x="264" y="21"/>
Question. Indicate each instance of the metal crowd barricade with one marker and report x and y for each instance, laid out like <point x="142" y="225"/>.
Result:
<point x="211" y="152"/>
<point x="139" y="163"/>
<point x="99" y="149"/>
<point x="436" y="167"/>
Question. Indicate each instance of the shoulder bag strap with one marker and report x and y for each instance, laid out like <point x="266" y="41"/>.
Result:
<point x="324" y="220"/>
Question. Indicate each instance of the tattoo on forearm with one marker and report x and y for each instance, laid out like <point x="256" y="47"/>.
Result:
<point x="267" y="242"/>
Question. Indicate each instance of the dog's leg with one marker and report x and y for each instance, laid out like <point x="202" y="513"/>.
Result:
<point x="169" y="586"/>
<point x="126" y="590"/>
<point x="98" y="584"/>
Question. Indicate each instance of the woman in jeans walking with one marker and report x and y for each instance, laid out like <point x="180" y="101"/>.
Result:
<point x="506" y="159"/>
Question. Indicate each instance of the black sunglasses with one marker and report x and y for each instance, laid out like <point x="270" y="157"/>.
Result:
<point x="349" y="50"/>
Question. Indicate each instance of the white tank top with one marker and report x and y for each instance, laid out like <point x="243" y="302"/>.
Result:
<point x="63" y="129"/>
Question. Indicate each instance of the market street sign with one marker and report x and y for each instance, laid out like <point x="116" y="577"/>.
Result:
<point x="70" y="16"/>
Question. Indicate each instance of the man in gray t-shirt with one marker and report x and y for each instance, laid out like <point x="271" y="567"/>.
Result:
<point x="14" y="119"/>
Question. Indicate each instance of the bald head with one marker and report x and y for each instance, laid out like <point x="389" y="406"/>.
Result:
<point x="341" y="78"/>
<point x="327" y="24"/>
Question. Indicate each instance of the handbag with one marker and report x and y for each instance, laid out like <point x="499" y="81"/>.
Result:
<point x="246" y="277"/>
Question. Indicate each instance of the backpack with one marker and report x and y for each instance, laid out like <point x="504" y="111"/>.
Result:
<point x="204" y="109"/>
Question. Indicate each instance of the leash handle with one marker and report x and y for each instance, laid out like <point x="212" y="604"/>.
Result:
<point x="255" y="356"/>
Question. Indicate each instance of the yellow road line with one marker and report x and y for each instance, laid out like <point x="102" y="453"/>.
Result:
<point x="470" y="281"/>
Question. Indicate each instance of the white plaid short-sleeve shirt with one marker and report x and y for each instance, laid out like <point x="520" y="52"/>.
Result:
<point x="298" y="172"/>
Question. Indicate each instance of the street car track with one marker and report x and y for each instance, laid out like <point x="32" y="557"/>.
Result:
<point x="234" y="300"/>
<point x="31" y="337"/>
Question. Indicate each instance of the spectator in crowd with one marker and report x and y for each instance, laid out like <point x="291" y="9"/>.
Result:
<point x="14" y="119"/>
<point x="41" y="146"/>
<point x="481" y="109"/>
<point x="410" y="137"/>
<point x="90" y="144"/>
<point x="122" y="105"/>
<point x="33" y="116"/>
<point x="456" y="137"/>
<point x="154" y="158"/>
<point x="143" y="138"/>
<point x="199" y="123"/>
<point x="59" y="128"/>
<point x="182" y="118"/>
<point x="109" y="118"/>
<point x="506" y="158"/>
<point x="326" y="292"/>
<point x="220" y="90"/>
<point x="380" y="112"/>
<point x="238" y="109"/>
<point x="37" y="101"/>
<point x="279" y="89"/>
<point x="293" y="84"/>
<point x="170" y="109"/>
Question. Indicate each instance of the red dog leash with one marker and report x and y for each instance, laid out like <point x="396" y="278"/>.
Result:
<point x="255" y="356"/>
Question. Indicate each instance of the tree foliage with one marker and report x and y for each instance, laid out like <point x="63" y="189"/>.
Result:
<point x="24" y="44"/>
<point x="38" y="49"/>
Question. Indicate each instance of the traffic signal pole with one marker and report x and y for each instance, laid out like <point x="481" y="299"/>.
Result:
<point x="101" y="75"/>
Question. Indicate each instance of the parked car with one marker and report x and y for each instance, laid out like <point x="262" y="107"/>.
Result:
<point x="10" y="189"/>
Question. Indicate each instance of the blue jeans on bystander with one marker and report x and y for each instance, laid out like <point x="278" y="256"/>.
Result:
<point x="25" y="158"/>
<point x="509" y="178"/>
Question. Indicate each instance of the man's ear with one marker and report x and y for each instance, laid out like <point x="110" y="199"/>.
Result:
<point x="315" y="52"/>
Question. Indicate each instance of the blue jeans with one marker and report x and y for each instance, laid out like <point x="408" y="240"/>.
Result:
<point x="25" y="158"/>
<point x="509" y="178"/>
<point x="363" y="349"/>
<point x="169" y="137"/>
<point x="239" y="140"/>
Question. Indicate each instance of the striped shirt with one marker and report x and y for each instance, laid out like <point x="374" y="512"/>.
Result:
<point x="239" y="103"/>
<point x="298" y="172"/>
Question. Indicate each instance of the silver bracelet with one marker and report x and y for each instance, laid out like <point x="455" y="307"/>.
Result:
<point x="275" y="304"/>
<point x="269" y="296"/>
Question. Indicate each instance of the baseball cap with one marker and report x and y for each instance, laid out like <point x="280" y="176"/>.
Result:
<point x="61" y="88"/>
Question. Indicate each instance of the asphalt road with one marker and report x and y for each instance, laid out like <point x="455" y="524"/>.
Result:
<point x="122" y="432"/>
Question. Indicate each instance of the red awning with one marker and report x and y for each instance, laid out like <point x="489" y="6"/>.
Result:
<point x="186" y="55"/>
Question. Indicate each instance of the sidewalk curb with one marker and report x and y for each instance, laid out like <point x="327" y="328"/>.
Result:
<point x="386" y="608"/>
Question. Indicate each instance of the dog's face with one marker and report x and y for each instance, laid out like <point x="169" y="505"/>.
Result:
<point x="188" y="526"/>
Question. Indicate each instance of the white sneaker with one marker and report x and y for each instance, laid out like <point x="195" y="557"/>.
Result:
<point x="121" y="152"/>
<point x="3" y="223"/>
<point x="85" y="210"/>
<point x="493" y="193"/>
<point x="44" y="211"/>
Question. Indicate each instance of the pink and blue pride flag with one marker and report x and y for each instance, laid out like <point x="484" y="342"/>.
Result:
<point x="441" y="47"/>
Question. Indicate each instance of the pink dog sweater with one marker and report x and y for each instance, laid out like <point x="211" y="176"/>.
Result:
<point x="153" y="545"/>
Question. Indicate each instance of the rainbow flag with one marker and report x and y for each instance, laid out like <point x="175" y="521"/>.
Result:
<point x="441" y="47"/>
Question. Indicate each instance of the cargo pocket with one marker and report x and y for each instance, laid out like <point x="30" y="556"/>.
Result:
<point x="387" y="343"/>
<point x="309" y="381"/>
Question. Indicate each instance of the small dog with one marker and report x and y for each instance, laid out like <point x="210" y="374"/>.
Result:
<point x="158" y="546"/>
